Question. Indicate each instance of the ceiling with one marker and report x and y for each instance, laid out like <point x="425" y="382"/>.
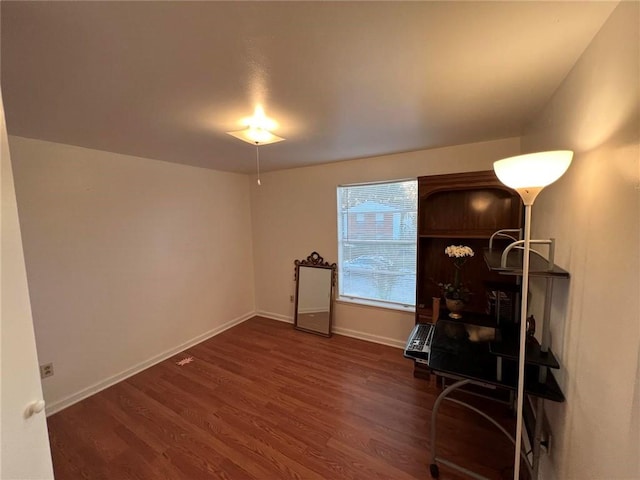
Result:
<point x="344" y="80"/>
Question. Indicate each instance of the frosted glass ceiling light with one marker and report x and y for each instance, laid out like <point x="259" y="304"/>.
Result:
<point x="256" y="136"/>
<point x="528" y="175"/>
<point x="258" y="132"/>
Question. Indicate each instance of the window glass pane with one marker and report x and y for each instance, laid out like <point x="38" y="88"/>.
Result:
<point x="377" y="228"/>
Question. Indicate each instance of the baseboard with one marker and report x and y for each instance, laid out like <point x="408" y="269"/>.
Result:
<point x="391" y="342"/>
<point x="275" y="316"/>
<point x="96" y="387"/>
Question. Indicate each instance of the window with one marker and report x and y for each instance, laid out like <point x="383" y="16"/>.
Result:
<point x="377" y="228"/>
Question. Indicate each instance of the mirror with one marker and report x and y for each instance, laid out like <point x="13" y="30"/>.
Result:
<point x="315" y="280"/>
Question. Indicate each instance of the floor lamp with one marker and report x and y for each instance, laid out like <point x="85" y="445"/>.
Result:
<point x="528" y="175"/>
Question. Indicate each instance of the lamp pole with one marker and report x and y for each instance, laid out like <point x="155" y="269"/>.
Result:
<point x="523" y="336"/>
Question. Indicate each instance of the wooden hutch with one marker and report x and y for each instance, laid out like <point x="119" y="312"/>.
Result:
<point x="461" y="209"/>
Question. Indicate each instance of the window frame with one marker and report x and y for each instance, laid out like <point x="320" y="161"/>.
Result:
<point x="341" y="218"/>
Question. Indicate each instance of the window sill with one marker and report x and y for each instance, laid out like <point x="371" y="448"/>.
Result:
<point x="376" y="304"/>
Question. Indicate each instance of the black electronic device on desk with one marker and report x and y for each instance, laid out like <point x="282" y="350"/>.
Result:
<point x="418" y="344"/>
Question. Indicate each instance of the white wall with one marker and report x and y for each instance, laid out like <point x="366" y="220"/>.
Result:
<point x="594" y="213"/>
<point x="24" y="445"/>
<point x="294" y="213"/>
<point x="128" y="259"/>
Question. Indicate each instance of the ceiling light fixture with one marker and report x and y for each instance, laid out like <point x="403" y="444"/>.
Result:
<point x="258" y="132"/>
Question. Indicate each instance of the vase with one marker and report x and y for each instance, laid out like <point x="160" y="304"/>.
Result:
<point x="455" y="306"/>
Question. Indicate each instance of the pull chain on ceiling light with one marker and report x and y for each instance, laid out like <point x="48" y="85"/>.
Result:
<point x="258" y="133"/>
<point x="258" y="163"/>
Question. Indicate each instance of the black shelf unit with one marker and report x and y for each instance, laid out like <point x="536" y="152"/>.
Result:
<point x="538" y="266"/>
<point x="539" y="359"/>
<point x="537" y="355"/>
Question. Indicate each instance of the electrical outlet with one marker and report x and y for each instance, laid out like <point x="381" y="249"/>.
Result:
<point x="291" y="298"/>
<point x="46" y="370"/>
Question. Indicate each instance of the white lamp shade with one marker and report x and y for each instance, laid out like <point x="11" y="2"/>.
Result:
<point x="534" y="169"/>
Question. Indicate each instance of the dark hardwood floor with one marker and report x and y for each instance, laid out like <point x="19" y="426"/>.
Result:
<point x="263" y="401"/>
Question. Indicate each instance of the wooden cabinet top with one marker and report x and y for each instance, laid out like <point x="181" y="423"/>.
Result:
<point x="461" y="181"/>
<point x="466" y="205"/>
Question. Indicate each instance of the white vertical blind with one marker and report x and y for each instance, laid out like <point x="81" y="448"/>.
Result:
<point x="377" y="231"/>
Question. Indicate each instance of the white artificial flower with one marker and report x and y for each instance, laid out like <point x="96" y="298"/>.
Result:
<point x="458" y="251"/>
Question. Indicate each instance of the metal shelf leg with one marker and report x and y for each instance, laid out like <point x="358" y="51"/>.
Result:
<point x="434" y="415"/>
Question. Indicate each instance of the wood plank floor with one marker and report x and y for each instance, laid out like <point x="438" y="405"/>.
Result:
<point x="263" y="401"/>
